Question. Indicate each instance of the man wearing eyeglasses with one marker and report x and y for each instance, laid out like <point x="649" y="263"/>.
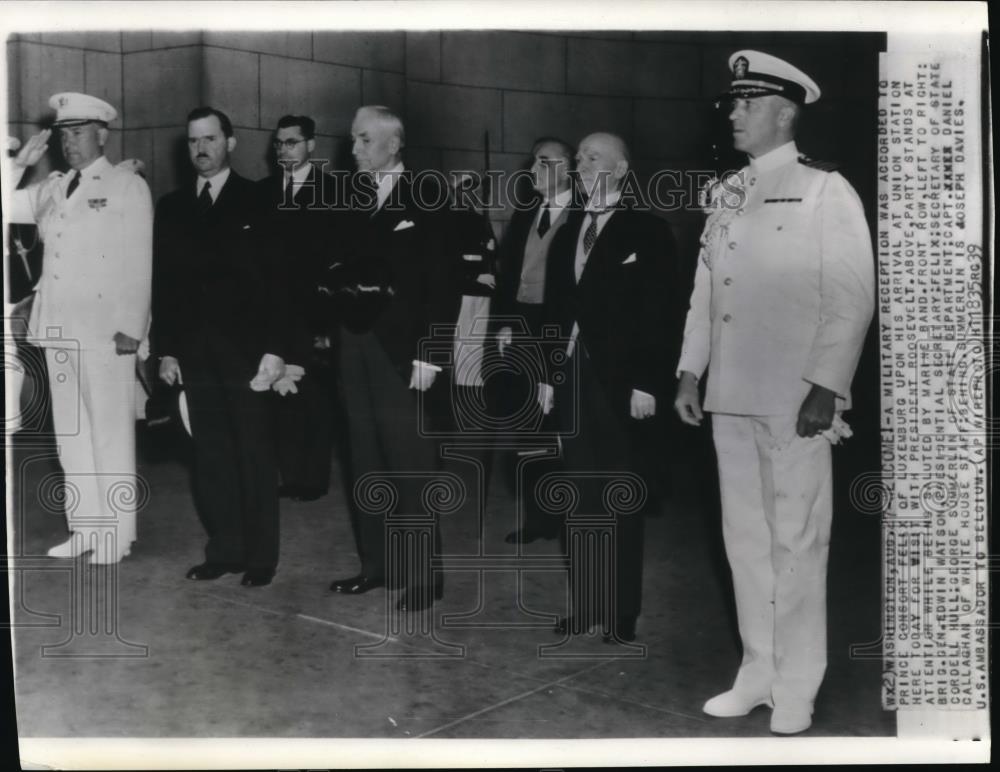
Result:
<point x="220" y="313"/>
<point x="307" y="225"/>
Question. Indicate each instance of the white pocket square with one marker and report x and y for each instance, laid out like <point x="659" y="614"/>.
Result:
<point x="402" y="225"/>
<point x="473" y="258"/>
<point x="630" y="259"/>
<point x="246" y="227"/>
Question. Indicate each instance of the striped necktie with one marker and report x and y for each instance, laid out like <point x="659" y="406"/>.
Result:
<point x="591" y="235"/>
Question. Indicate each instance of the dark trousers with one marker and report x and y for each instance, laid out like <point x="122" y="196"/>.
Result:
<point x="512" y="389"/>
<point x="384" y="423"/>
<point x="236" y="474"/>
<point x="303" y="429"/>
<point x="601" y="446"/>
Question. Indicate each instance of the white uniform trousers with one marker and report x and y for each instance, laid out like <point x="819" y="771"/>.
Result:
<point x="93" y="415"/>
<point x="777" y="509"/>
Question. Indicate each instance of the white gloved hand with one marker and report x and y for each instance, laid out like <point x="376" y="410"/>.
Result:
<point x="839" y="430"/>
<point x="504" y="336"/>
<point x="546" y="398"/>
<point x="422" y="376"/>
<point x="270" y="369"/>
<point x="286" y="384"/>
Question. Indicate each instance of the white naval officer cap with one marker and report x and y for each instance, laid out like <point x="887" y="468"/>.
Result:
<point x="73" y="109"/>
<point x="758" y="74"/>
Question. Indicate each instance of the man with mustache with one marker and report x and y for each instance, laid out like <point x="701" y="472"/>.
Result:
<point x="782" y="299"/>
<point x="90" y="312"/>
<point x="220" y="309"/>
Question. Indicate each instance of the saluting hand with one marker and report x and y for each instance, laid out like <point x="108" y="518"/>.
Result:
<point x="33" y="149"/>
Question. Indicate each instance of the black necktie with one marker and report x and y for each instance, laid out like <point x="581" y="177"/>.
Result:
<point x="205" y="198"/>
<point x="545" y="222"/>
<point x="74" y="182"/>
<point x="289" y="192"/>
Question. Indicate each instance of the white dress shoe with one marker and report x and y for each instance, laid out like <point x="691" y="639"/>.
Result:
<point x="733" y="703"/>
<point x="790" y="721"/>
<point x="73" y="546"/>
<point x="103" y="557"/>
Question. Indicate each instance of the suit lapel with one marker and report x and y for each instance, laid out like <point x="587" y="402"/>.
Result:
<point x="605" y="239"/>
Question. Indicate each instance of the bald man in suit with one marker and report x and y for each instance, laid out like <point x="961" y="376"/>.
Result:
<point x="610" y="291"/>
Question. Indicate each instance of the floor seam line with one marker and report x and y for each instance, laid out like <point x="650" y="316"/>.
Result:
<point x="508" y="701"/>
<point x="599" y="693"/>
<point x="311" y="618"/>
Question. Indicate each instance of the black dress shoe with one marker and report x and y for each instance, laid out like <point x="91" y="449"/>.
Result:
<point x="418" y="600"/>
<point x="356" y="585"/>
<point x="209" y="570"/>
<point x="624" y="631"/>
<point x="309" y="494"/>
<point x="300" y="492"/>
<point x="257" y="577"/>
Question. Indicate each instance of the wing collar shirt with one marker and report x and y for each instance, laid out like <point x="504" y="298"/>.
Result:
<point x="610" y="202"/>
<point x="386" y="181"/>
<point x="218" y="181"/>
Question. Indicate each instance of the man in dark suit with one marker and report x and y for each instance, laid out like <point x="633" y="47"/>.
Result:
<point x="519" y="295"/>
<point x="220" y="310"/>
<point x="609" y="290"/>
<point x="403" y="284"/>
<point x="309" y="226"/>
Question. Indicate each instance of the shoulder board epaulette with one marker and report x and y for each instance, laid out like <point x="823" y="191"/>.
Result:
<point x="133" y="165"/>
<point x="823" y="166"/>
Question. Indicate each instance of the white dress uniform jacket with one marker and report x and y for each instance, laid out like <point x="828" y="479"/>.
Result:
<point x="96" y="281"/>
<point x="784" y="289"/>
<point x="97" y="271"/>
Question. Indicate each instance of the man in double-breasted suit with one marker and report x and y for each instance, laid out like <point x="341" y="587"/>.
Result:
<point x="90" y="313"/>
<point x="783" y="295"/>
<point x="400" y="283"/>
<point x="221" y="329"/>
<point x="520" y="292"/>
<point x="308" y="226"/>
<point x="609" y="290"/>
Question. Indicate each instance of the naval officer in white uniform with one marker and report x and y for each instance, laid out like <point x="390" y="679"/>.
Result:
<point x="90" y="313"/>
<point x="783" y="296"/>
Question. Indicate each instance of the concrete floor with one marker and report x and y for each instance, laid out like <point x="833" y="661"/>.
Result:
<point x="210" y="659"/>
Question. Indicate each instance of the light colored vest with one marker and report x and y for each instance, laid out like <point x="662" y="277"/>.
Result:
<point x="536" y="250"/>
